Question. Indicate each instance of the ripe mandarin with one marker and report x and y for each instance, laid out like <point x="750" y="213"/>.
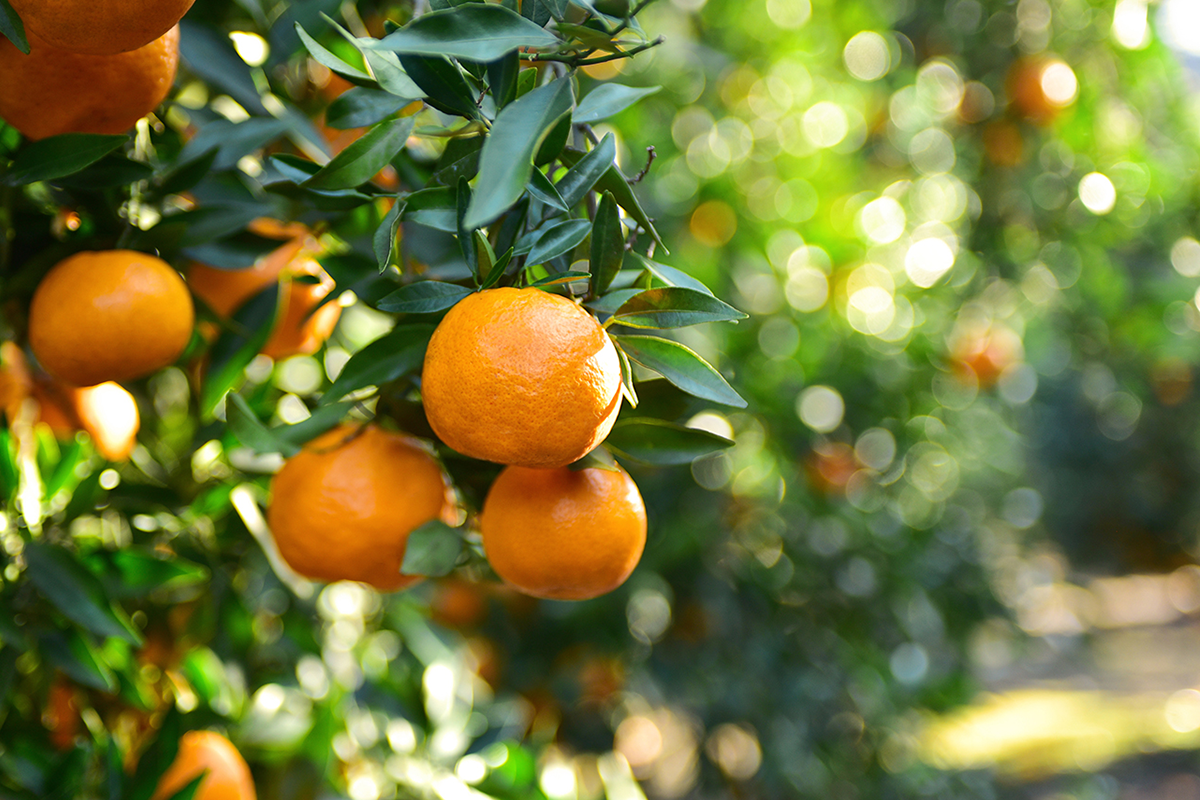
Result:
<point x="106" y="411"/>
<point x="109" y="316"/>
<point x="299" y="330"/>
<point x="562" y="534"/>
<point x="100" y="27"/>
<point x="521" y="376"/>
<point x="342" y="509"/>
<point x="53" y="91"/>
<point x="228" y="775"/>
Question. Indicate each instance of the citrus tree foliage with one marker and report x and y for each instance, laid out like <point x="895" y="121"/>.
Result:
<point x="143" y="598"/>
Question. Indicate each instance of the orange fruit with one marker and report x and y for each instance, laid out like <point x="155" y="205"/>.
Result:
<point x="61" y="717"/>
<point x="298" y="329"/>
<point x="521" y="376"/>
<point x="561" y="534"/>
<point x="228" y="775"/>
<point x="16" y="382"/>
<point x="53" y="91"/>
<point x="106" y="411"/>
<point x="342" y="509"/>
<point x="109" y="316"/>
<point x="100" y="27"/>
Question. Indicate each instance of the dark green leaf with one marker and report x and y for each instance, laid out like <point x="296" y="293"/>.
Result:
<point x="466" y="242"/>
<point x="109" y="172"/>
<point x="359" y="162"/>
<point x="443" y="84"/>
<point x="609" y="303"/>
<point x="185" y="173"/>
<point x="674" y="307"/>
<point x="433" y="208"/>
<point x="245" y="425"/>
<point x="59" y="156"/>
<point x="558" y="8"/>
<point x="534" y="10"/>
<point x="423" y="297"/>
<point x="248" y="333"/>
<point x="76" y="592"/>
<point x="497" y="271"/>
<point x="12" y="27"/>
<point x="432" y="550"/>
<point x="626" y="376"/>
<point x="8" y="671"/>
<point x="669" y="275"/>
<point x="459" y="160"/>
<point x="682" y="367"/>
<point x="608" y="99"/>
<point x="590" y="37"/>
<point x="332" y="62"/>
<point x="71" y="653"/>
<point x="485" y="256"/>
<point x="398" y="353"/>
<point x="358" y="108"/>
<point x="233" y="140"/>
<point x="561" y="238"/>
<point x="613" y="181"/>
<point x="507" y="158"/>
<point x="502" y="79"/>
<point x="188" y="792"/>
<point x="477" y="32"/>
<point x="608" y="245"/>
<point x="653" y="441"/>
<point x="580" y="179"/>
<point x="240" y="251"/>
<point x="599" y="458"/>
<point x="544" y="190"/>
<point x="553" y="143"/>
<point x="210" y="55"/>
<point x="384" y="241"/>
<point x="317" y="423"/>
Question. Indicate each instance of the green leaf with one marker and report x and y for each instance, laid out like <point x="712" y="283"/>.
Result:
<point x="76" y="592"/>
<point x="110" y="172"/>
<point x="317" y="423"/>
<point x="608" y="99"/>
<point x="560" y="278"/>
<point x="443" y="84"/>
<point x="250" y="431"/>
<point x="507" y="158"/>
<point x="466" y="241"/>
<point x="682" y="367"/>
<point x="384" y="240"/>
<point x="185" y="173"/>
<point x="673" y="307"/>
<point x="392" y="77"/>
<point x="188" y="792"/>
<point x="608" y="245"/>
<point x="71" y="653"/>
<point x="580" y="179"/>
<point x="358" y="108"/>
<point x="669" y="275"/>
<point x="460" y="159"/>
<point x="434" y="208"/>
<point x="140" y="572"/>
<point x="609" y="303"/>
<point x="615" y="182"/>
<point x="558" y="8"/>
<point x="502" y="79"/>
<point x="497" y="271"/>
<point x="544" y="190"/>
<point x="210" y="55"/>
<point x="423" y="297"/>
<point x="534" y="10"/>
<point x="12" y="27"/>
<point x="559" y="239"/>
<point x="474" y="31"/>
<point x="626" y="376"/>
<point x="432" y="550"/>
<point x="59" y="156"/>
<point x="233" y="140"/>
<point x="384" y="360"/>
<point x="653" y="441"/>
<point x="485" y="256"/>
<point x="327" y="59"/>
<point x="235" y="348"/>
<point x="360" y="162"/>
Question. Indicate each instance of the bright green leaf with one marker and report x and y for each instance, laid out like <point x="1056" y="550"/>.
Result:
<point x="673" y="307"/>
<point x="474" y="31"/>
<point x="654" y="441"/>
<point x="608" y="99"/>
<point x="682" y="367"/>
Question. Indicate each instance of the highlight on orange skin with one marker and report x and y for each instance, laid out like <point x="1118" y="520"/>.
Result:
<point x="106" y="412"/>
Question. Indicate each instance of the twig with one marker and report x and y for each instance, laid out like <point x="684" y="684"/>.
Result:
<point x="581" y="61"/>
<point x="629" y="17"/>
<point x="651" y="154"/>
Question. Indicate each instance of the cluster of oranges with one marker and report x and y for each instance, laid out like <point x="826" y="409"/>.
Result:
<point x="518" y="377"/>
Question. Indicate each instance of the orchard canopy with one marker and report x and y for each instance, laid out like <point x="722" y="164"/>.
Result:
<point x="579" y="399"/>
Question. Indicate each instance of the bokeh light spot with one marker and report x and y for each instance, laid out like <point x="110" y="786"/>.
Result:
<point x="867" y="56"/>
<point x="820" y="408"/>
<point x="1097" y="193"/>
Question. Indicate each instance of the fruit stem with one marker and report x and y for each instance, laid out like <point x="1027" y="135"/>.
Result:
<point x="578" y="61"/>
